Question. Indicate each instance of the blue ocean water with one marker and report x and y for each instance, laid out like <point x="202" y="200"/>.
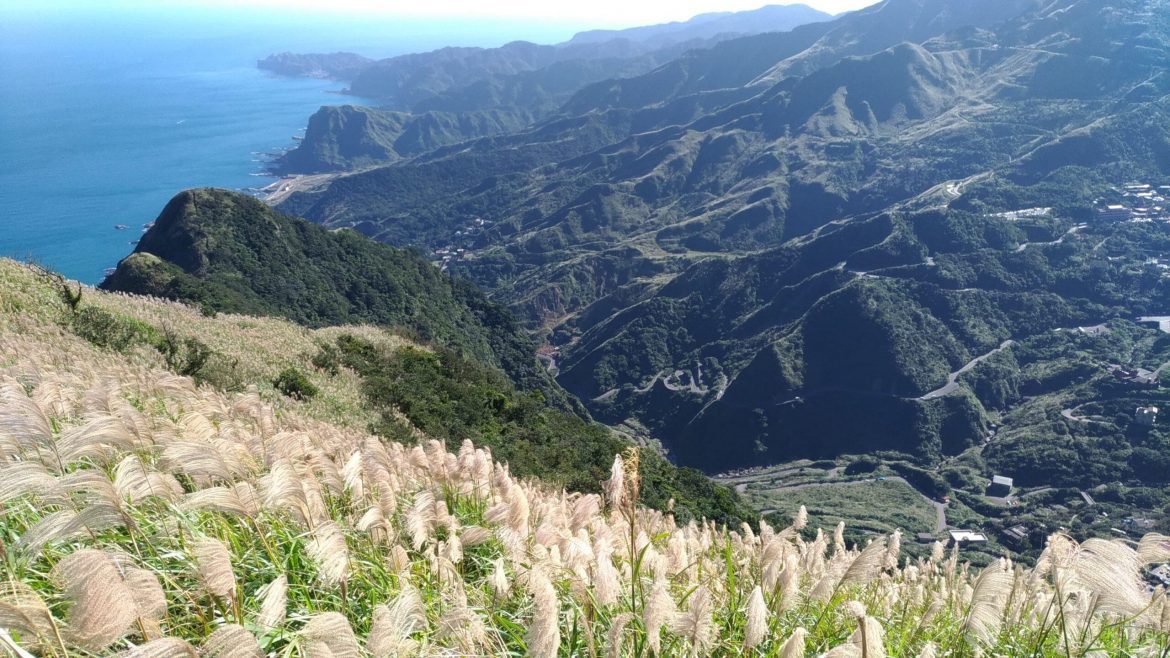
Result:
<point x="105" y="116"/>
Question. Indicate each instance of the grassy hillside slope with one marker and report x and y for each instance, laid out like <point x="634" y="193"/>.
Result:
<point x="145" y="515"/>
<point x="367" y="378"/>
<point x="229" y="252"/>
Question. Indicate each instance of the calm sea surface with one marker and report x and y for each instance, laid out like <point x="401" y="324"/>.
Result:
<point x="104" y="117"/>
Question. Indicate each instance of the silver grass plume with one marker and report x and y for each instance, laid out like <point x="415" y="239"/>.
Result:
<point x="988" y="598"/>
<point x="231" y="641"/>
<point x="103" y="608"/>
<point x="615" y="486"/>
<point x="214" y="564"/>
<point x="1152" y="548"/>
<point x="328" y="549"/>
<point x="801" y="519"/>
<point x="393" y="625"/>
<point x="167" y="647"/>
<point x="499" y="580"/>
<point x="1111" y="570"/>
<point x="893" y="550"/>
<point x="134" y="481"/>
<point x="793" y="647"/>
<point x="273" y="603"/>
<point x="329" y="634"/>
<point x="23" y="611"/>
<point x="613" y="638"/>
<point x="695" y="624"/>
<point x="869" y="638"/>
<point x="22" y="478"/>
<point x="239" y="499"/>
<point x="757" y="619"/>
<point x="660" y="610"/>
<point x="544" y="636"/>
<point x="867" y="566"/>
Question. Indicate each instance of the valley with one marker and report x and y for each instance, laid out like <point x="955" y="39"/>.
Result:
<point x="771" y="333"/>
<point x="831" y="242"/>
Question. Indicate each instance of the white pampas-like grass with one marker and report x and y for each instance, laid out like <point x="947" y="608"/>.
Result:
<point x="988" y="598"/>
<point x="695" y="623"/>
<point x="757" y="619"/>
<point x="327" y="548"/>
<point x="214" y="563"/>
<point x="544" y="635"/>
<point x="167" y="647"/>
<point x="273" y="603"/>
<point x="393" y="625"/>
<point x="23" y="611"/>
<point x="24" y="478"/>
<point x="135" y="481"/>
<point x="103" y="608"/>
<point x="660" y="611"/>
<point x="869" y="638"/>
<point x="239" y="499"/>
<point x="1110" y="570"/>
<point x="329" y="635"/>
<point x="231" y="641"/>
<point x="614" y="637"/>
<point x="615" y="486"/>
<point x="794" y="647"/>
<point x="1153" y="548"/>
<point x="499" y="581"/>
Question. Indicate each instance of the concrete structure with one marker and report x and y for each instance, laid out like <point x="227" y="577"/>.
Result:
<point x="926" y="538"/>
<point x="1001" y="486"/>
<point x="967" y="537"/>
<point x="1146" y="416"/>
<point x="1113" y="213"/>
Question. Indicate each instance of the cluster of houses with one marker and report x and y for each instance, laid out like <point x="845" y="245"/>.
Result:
<point x="1137" y="377"/>
<point x="444" y="255"/>
<point x="1135" y="202"/>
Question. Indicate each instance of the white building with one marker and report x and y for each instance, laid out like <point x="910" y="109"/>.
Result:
<point x="1146" y="416"/>
<point x="967" y="537"/>
<point x="1114" y="213"/>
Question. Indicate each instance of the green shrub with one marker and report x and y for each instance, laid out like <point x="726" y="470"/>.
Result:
<point x="294" y="384"/>
<point x="185" y="356"/>
<point x="109" y="331"/>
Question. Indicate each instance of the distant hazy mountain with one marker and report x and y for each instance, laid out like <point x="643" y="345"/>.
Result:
<point x="528" y="77"/>
<point x="771" y="18"/>
<point x="339" y="66"/>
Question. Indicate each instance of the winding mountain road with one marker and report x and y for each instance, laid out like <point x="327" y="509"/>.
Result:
<point x="953" y="379"/>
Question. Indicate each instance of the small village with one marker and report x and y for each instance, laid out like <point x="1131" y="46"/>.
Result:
<point x="463" y="241"/>
<point x="1137" y="202"/>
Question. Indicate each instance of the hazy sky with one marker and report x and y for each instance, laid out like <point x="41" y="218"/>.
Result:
<point x="586" y="13"/>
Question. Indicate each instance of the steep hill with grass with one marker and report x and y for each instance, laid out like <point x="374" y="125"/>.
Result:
<point x="148" y="515"/>
<point x="357" y="376"/>
<point x="228" y="252"/>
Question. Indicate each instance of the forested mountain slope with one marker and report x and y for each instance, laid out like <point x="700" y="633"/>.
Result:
<point x="707" y="243"/>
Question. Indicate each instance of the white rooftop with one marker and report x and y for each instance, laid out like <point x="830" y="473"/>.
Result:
<point x="963" y="536"/>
